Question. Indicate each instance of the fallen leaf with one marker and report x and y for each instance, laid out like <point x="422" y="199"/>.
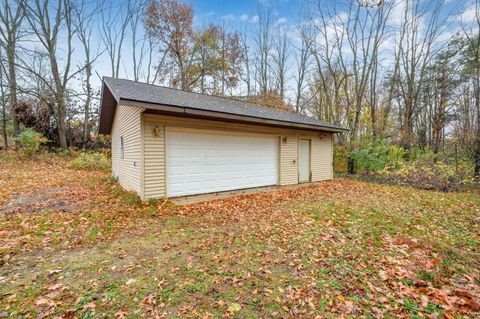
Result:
<point x="130" y="281"/>
<point x="234" y="307"/>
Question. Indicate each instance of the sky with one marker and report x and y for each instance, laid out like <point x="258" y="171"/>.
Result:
<point x="243" y="14"/>
<point x="237" y="12"/>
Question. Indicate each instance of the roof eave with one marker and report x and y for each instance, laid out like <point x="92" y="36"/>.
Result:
<point x="108" y="104"/>
<point x="192" y="112"/>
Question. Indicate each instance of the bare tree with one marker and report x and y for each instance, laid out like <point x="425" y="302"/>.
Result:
<point x="153" y="70"/>
<point x="46" y="20"/>
<point x="263" y="41"/>
<point x="140" y="44"/>
<point x="10" y="31"/>
<point x="472" y="70"/>
<point x="350" y="50"/>
<point x="418" y="31"/>
<point x="302" y="58"/>
<point x="84" y="16"/>
<point x="113" y="30"/>
<point x="325" y="40"/>
<point x="282" y="47"/>
<point x="3" y="100"/>
<point x="247" y="74"/>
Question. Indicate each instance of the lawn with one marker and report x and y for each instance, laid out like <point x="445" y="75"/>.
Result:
<point x="73" y="244"/>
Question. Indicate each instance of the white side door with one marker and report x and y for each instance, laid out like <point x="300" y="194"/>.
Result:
<point x="304" y="161"/>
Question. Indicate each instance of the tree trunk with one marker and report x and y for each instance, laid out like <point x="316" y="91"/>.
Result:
<point x="439" y="119"/>
<point x="4" y="122"/>
<point x="61" y="113"/>
<point x="4" y="108"/>
<point x="373" y="115"/>
<point x="87" y="106"/>
<point x="351" y="166"/>
<point x="353" y="134"/>
<point x="13" y="88"/>
<point x="476" y="155"/>
<point x="59" y="99"/>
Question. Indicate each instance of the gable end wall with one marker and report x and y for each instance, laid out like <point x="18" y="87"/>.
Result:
<point x="128" y="123"/>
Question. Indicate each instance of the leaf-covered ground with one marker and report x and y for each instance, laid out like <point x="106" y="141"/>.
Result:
<point x="75" y="245"/>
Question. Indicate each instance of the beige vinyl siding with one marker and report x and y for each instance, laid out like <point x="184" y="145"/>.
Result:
<point x="127" y="124"/>
<point x="289" y="160"/>
<point x="154" y="159"/>
<point x="155" y="152"/>
<point x="322" y="158"/>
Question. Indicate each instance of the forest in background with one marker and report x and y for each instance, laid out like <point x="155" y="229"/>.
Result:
<point x="402" y="75"/>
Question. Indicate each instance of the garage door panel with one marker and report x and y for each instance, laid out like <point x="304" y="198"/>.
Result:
<point x="199" y="162"/>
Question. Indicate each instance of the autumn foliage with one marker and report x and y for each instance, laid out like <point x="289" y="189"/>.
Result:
<point x="273" y="100"/>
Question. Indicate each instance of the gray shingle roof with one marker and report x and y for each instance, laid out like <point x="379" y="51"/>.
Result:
<point x="148" y="93"/>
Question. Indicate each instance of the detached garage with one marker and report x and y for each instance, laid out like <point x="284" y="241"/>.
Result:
<point x="169" y="143"/>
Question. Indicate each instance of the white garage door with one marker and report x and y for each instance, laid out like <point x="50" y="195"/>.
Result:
<point x="203" y="162"/>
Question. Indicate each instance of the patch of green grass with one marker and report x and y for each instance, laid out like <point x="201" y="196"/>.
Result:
<point x="171" y="294"/>
<point x="410" y="305"/>
<point x="407" y="281"/>
<point x="112" y="179"/>
<point x="425" y="275"/>
<point x="86" y="315"/>
<point x="172" y="220"/>
<point x="94" y="233"/>
<point x="132" y="199"/>
<point x="112" y="292"/>
<point x="116" y="191"/>
<point x="323" y="303"/>
<point x="84" y="300"/>
<point x="433" y="308"/>
<point x="335" y="284"/>
<point x="129" y="198"/>
<point x="150" y="212"/>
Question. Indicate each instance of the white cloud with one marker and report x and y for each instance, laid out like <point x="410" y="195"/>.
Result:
<point x="244" y="17"/>
<point x="398" y="12"/>
<point x="281" y="21"/>
<point x="445" y="36"/>
<point x="469" y="13"/>
<point x="229" y="17"/>
<point x="204" y="15"/>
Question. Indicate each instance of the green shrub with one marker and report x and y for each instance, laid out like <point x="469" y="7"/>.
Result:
<point x="69" y="153"/>
<point x="29" y="141"/>
<point x="91" y="161"/>
<point x="395" y="155"/>
<point x="372" y="156"/>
